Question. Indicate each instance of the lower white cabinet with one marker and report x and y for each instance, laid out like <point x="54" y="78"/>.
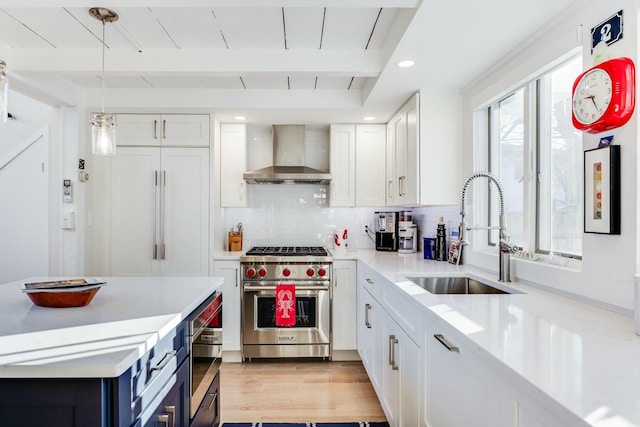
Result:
<point x="344" y="299"/>
<point x="457" y="388"/>
<point x="391" y="358"/>
<point x="230" y="271"/>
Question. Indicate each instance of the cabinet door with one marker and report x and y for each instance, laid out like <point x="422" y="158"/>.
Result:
<point x="342" y="159"/>
<point x="174" y="408"/>
<point x="135" y="195"/>
<point x="233" y="162"/>
<point x="344" y="299"/>
<point x="365" y="321"/>
<point x="410" y="185"/>
<point x="456" y="388"/>
<point x="407" y="357"/>
<point x="230" y="271"/>
<point x="184" y="219"/>
<point x="370" y="165"/>
<point x="388" y="346"/>
<point x="184" y="130"/>
<point x="139" y="130"/>
<point x="208" y="414"/>
<point x="400" y="153"/>
<point x="391" y="189"/>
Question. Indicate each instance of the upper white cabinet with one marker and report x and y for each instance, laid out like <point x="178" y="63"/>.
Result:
<point x="370" y="165"/>
<point x="233" y="163"/>
<point x="342" y="160"/>
<point x="403" y="155"/>
<point x="357" y="165"/>
<point x="171" y="130"/>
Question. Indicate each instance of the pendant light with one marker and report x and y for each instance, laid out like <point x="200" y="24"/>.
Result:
<point x="103" y="125"/>
<point x="4" y="92"/>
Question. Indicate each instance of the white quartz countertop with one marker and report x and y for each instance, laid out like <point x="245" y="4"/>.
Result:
<point x="125" y="319"/>
<point x="585" y="358"/>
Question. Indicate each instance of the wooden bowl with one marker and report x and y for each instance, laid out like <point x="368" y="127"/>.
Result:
<point x="78" y="298"/>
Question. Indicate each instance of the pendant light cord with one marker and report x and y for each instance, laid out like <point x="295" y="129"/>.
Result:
<point x="103" y="25"/>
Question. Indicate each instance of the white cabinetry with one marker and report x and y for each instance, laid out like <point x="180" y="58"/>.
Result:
<point x="159" y="216"/>
<point x="370" y="165"/>
<point x="344" y="299"/>
<point x="230" y="271"/>
<point x="176" y="130"/>
<point x="457" y="388"/>
<point x="403" y="142"/>
<point x="390" y="356"/>
<point x="358" y="165"/>
<point x="342" y="160"/>
<point x="233" y="163"/>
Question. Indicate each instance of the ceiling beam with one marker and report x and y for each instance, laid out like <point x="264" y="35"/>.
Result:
<point x="213" y="3"/>
<point x="335" y="62"/>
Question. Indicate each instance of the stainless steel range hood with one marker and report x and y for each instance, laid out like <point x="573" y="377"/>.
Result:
<point x="288" y="161"/>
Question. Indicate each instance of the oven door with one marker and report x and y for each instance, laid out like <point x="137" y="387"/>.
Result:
<point x="312" y="325"/>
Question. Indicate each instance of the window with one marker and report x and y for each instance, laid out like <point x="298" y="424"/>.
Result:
<point x="537" y="154"/>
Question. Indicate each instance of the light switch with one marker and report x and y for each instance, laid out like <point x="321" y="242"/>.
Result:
<point x="68" y="220"/>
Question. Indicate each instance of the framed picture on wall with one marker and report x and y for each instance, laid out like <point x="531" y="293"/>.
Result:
<point x="602" y="190"/>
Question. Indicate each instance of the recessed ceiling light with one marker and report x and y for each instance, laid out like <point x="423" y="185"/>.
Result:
<point x="240" y="118"/>
<point x="406" y="63"/>
<point x="368" y="118"/>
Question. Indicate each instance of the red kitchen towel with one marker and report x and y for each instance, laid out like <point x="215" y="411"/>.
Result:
<point x="285" y="305"/>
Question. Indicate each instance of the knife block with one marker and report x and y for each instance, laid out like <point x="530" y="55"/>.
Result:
<point x="235" y="241"/>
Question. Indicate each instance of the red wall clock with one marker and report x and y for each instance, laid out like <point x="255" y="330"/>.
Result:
<point x="604" y="96"/>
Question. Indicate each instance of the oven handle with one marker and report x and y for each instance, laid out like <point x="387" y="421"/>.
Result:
<point x="273" y="288"/>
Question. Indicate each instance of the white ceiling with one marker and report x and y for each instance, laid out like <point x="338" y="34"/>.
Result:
<point x="269" y="60"/>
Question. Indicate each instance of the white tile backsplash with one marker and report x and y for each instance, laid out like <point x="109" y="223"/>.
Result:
<point x="300" y="215"/>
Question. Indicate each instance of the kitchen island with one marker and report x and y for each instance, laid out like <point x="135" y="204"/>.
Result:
<point x="93" y="365"/>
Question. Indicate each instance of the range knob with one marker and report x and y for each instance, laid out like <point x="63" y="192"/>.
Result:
<point x="310" y="272"/>
<point x="262" y="272"/>
<point x="251" y="272"/>
<point x="286" y="272"/>
<point x="322" y="272"/>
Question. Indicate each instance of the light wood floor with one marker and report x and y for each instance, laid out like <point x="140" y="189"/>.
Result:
<point x="297" y="391"/>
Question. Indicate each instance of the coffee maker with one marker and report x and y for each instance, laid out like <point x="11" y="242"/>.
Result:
<point x="387" y="231"/>
<point x="407" y="234"/>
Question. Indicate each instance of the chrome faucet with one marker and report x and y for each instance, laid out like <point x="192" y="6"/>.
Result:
<point x="505" y="248"/>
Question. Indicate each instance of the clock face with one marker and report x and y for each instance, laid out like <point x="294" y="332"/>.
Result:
<point x="592" y="96"/>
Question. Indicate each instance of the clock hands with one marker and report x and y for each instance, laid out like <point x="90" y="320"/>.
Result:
<point x="592" y="98"/>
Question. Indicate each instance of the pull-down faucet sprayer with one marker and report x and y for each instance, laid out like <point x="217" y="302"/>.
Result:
<point x="505" y="248"/>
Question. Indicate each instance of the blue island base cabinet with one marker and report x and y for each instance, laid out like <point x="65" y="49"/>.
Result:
<point x="208" y="414"/>
<point x="52" y="402"/>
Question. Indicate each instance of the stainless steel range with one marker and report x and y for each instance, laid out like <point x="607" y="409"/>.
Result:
<point x="309" y="268"/>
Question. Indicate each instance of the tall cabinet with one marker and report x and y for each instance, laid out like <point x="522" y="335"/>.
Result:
<point x="151" y="202"/>
<point x="403" y="155"/>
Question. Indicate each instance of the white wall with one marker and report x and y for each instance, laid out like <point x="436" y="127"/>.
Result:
<point x="605" y="275"/>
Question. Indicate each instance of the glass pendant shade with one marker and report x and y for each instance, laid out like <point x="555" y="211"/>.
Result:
<point x="4" y="92"/>
<point x="103" y="134"/>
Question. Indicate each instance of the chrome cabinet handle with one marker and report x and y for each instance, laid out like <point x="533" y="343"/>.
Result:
<point x="446" y="343"/>
<point x="164" y="418"/>
<point x="155" y="129"/>
<point x="241" y="190"/>
<point x="213" y="399"/>
<point x="165" y="360"/>
<point x="367" y="307"/>
<point x="171" y="410"/>
<point x="164" y="129"/>
<point x="155" y="215"/>
<point x="273" y="288"/>
<point x="390" y="188"/>
<point x="162" y="214"/>
<point x="392" y="352"/>
<point x="237" y="277"/>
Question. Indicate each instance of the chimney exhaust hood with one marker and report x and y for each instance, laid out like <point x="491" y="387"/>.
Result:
<point x="288" y="161"/>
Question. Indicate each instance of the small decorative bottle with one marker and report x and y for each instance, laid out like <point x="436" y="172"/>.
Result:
<point x="441" y="241"/>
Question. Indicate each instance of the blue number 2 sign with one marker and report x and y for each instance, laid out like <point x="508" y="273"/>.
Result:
<point x="609" y="31"/>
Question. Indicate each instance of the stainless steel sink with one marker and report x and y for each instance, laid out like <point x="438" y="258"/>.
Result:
<point x="455" y="285"/>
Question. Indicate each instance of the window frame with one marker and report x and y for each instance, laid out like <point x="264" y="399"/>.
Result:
<point x="532" y="162"/>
